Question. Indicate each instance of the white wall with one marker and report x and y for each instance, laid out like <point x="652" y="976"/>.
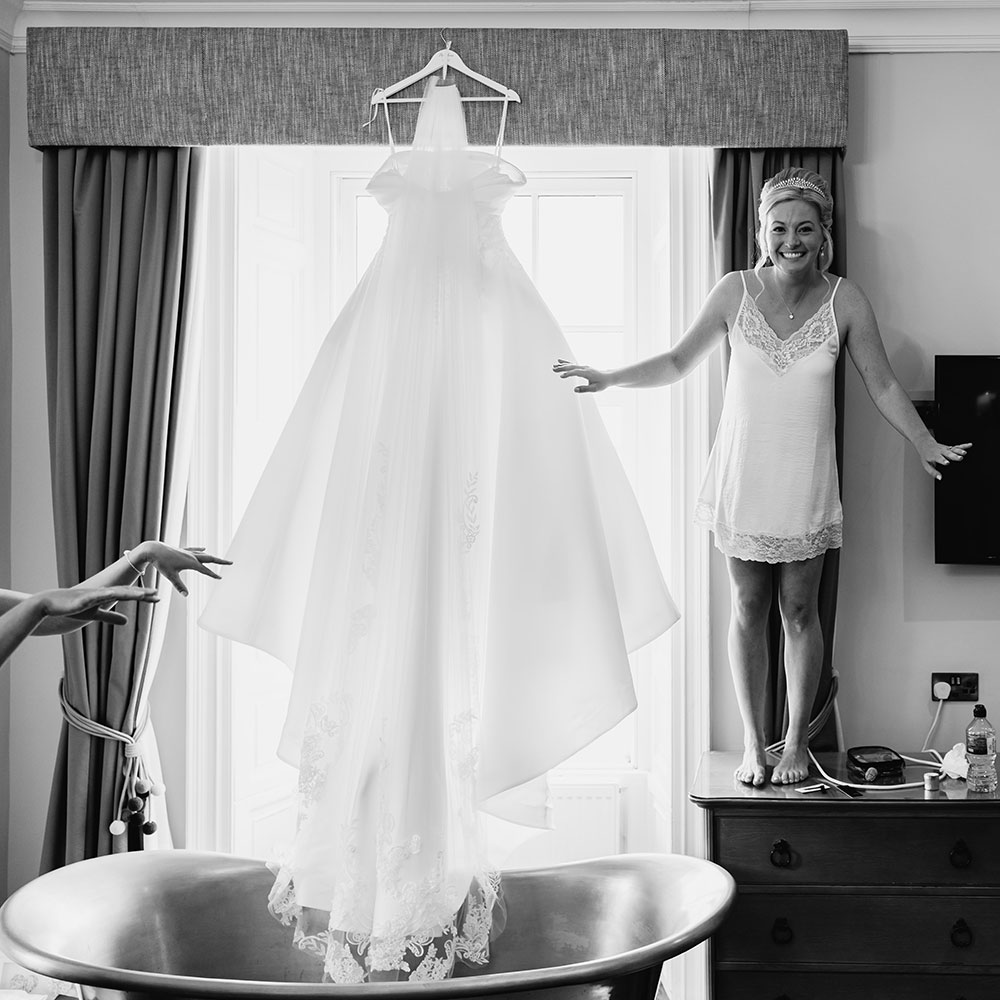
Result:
<point x="34" y="668"/>
<point x="922" y="241"/>
<point x="5" y="390"/>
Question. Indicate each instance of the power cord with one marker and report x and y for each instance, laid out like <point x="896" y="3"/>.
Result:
<point x="881" y="788"/>
<point x="934" y="725"/>
<point x="817" y="724"/>
<point x="942" y="691"/>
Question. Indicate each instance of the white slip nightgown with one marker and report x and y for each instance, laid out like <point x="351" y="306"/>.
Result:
<point x="771" y="491"/>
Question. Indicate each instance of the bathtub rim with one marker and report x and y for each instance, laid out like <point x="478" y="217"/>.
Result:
<point x="623" y="964"/>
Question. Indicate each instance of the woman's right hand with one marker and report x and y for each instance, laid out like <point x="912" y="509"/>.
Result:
<point x="597" y="381"/>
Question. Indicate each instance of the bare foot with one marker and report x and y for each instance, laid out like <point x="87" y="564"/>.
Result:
<point x="793" y="766"/>
<point x="751" y="771"/>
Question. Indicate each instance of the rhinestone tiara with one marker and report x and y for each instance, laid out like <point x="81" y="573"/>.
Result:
<point x="797" y="182"/>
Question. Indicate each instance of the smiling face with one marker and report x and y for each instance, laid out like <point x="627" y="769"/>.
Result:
<point x="793" y="236"/>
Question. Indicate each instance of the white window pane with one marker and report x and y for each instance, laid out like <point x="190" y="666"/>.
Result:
<point x="614" y="420"/>
<point x="372" y="222"/>
<point x="517" y="227"/>
<point x="599" y="349"/>
<point x="614" y="749"/>
<point x="581" y="258"/>
<point x="269" y="371"/>
<point x="620" y="422"/>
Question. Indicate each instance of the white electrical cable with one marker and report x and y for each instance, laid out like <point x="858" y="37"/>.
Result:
<point x="880" y="788"/>
<point x="934" y="724"/>
<point x="830" y="706"/>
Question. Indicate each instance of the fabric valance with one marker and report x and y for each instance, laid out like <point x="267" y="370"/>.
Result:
<point x="204" y="86"/>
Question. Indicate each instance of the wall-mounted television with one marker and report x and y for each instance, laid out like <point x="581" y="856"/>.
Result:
<point x="967" y="497"/>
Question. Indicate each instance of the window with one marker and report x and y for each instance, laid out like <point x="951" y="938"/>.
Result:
<point x="293" y="230"/>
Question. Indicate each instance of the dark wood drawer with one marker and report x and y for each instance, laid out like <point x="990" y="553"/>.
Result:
<point x="864" y="931"/>
<point x="852" y="986"/>
<point x="859" y="850"/>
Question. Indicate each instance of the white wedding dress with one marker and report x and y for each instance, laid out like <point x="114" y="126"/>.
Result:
<point x="445" y="550"/>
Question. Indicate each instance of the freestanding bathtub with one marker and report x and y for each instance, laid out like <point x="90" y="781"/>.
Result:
<point x="188" y="924"/>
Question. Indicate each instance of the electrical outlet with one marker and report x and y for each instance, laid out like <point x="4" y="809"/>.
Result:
<point x="964" y="687"/>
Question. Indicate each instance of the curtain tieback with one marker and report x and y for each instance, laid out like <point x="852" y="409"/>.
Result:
<point x="134" y="803"/>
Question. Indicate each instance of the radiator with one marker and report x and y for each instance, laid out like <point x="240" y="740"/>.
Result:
<point x="587" y="824"/>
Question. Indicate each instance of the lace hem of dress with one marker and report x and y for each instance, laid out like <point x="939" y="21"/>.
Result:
<point x="768" y="548"/>
<point x="352" y="957"/>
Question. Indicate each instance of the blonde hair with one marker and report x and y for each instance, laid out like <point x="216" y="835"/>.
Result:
<point x="797" y="184"/>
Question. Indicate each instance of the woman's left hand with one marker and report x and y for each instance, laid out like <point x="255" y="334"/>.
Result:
<point x="932" y="454"/>
<point x="171" y="562"/>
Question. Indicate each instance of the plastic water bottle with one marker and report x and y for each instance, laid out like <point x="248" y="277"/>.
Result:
<point x="981" y="752"/>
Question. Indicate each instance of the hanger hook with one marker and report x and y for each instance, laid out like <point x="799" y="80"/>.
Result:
<point x="447" y="46"/>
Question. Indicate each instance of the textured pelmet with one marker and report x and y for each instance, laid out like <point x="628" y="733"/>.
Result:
<point x="108" y="86"/>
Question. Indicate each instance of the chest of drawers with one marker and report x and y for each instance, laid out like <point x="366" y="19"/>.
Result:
<point x="891" y="896"/>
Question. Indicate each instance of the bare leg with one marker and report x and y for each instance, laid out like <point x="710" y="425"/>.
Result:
<point x="750" y="584"/>
<point x="798" y="601"/>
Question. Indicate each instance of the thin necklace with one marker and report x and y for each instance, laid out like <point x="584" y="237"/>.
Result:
<point x="788" y="308"/>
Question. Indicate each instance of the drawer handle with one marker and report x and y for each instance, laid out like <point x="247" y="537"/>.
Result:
<point x="961" y="934"/>
<point x="781" y="932"/>
<point x="781" y="854"/>
<point x="960" y="856"/>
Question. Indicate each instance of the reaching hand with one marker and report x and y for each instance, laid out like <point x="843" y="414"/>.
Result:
<point x="597" y="380"/>
<point x="86" y="603"/>
<point x="171" y="562"/>
<point x="932" y="454"/>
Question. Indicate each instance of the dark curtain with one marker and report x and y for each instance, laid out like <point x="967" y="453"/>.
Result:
<point x="119" y="247"/>
<point x="737" y="178"/>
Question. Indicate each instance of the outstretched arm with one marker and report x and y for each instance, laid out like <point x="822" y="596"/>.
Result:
<point x="864" y="343"/>
<point x="167" y="560"/>
<point x="29" y="612"/>
<point x="709" y="327"/>
<point x="52" y="624"/>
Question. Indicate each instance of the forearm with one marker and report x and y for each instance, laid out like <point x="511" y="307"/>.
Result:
<point x="17" y="624"/>
<point x="49" y="625"/>
<point x="653" y="372"/>
<point x="898" y="410"/>
<point x="121" y="571"/>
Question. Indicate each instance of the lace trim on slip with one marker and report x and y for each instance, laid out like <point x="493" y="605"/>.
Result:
<point x="768" y="548"/>
<point x="780" y="354"/>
